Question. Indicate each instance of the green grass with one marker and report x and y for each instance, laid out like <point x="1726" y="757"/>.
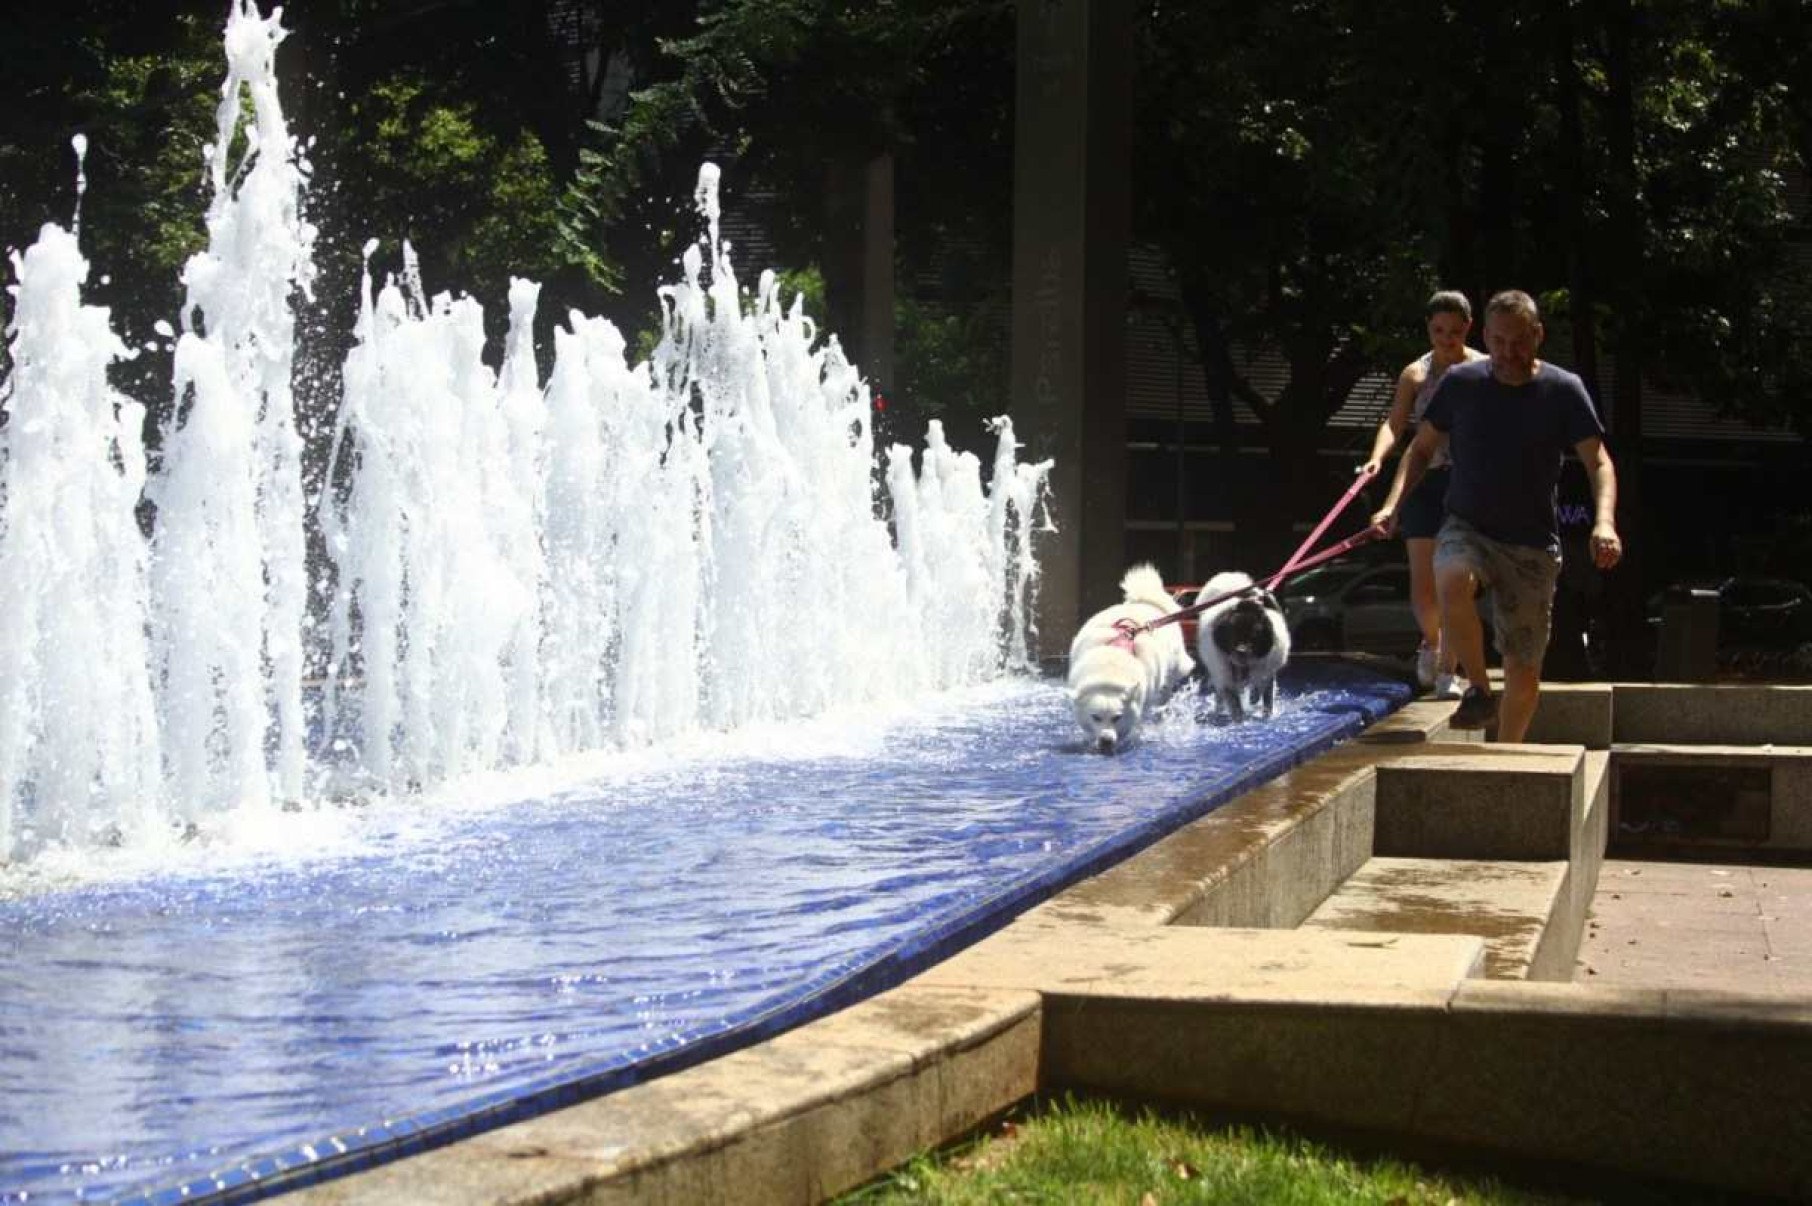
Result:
<point x="1092" y="1152"/>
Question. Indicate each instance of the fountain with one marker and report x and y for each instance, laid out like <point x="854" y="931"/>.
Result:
<point x="521" y="572"/>
<point x="603" y="655"/>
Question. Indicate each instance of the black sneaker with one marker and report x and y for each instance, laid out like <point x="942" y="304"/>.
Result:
<point x="1477" y="710"/>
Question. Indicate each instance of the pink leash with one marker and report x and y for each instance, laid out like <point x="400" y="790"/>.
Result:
<point x="1295" y="561"/>
<point x="1295" y="565"/>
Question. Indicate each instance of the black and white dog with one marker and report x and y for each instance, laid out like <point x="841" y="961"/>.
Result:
<point x="1242" y="642"/>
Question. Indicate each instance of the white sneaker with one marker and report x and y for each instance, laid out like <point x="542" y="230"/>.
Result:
<point x="1428" y="663"/>
<point x="1449" y="686"/>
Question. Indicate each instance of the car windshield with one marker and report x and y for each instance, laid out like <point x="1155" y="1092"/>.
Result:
<point x="1321" y="580"/>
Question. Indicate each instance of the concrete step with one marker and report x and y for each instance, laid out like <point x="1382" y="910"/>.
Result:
<point x="1511" y="906"/>
<point x="1573" y="714"/>
<point x="1473" y="802"/>
<point x="1196" y="963"/>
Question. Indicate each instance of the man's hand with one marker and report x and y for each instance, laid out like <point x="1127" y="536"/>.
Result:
<point x="1371" y="468"/>
<point x="1384" y="520"/>
<point x="1607" y="549"/>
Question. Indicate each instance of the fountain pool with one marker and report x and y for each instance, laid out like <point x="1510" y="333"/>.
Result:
<point x="240" y="1025"/>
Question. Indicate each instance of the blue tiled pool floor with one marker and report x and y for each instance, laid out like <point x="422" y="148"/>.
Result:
<point x="180" y="1036"/>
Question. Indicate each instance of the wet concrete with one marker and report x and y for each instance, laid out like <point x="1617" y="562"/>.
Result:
<point x="1507" y="904"/>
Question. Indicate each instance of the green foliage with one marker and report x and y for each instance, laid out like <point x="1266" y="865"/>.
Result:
<point x="786" y="87"/>
<point x="148" y="117"/>
<point x="1276" y="172"/>
<point x="154" y="120"/>
<point x="1091" y="1152"/>
<point x="1311" y="170"/>
<point x="1314" y="170"/>
<point x="802" y="284"/>
<point x="1721" y="299"/>
<point x="668" y="122"/>
<point x="949" y="360"/>
<point x="477" y="203"/>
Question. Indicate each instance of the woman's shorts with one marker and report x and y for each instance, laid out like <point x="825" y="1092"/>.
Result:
<point x="1419" y="516"/>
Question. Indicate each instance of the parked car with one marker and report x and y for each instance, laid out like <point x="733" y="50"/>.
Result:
<point x="1356" y="606"/>
<point x="1754" y="612"/>
<point x="1186" y="594"/>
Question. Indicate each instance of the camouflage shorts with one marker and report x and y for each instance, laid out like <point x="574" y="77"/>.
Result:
<point x="1521" y="581"/>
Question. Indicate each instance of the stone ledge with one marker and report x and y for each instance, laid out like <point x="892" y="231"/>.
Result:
<point x="1204" y="963"/>
<point x="1508" y="905"/>
<point x="1263" y="859"/>
<point x="1420" y="720"/>
<point x="1620" y="1080"/>
<point x="1558" y="955"/>
<point x="1705" y="715"/>
<point x="800" y="1117"/>
<point x="1359" y="1029"/>
<point x="1574" y="714"/>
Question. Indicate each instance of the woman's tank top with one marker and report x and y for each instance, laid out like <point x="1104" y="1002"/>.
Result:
<point x="1425" y="391"/>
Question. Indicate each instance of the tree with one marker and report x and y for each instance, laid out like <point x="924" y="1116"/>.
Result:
<point x="794" y="94"/>
<point x="1301" y="213"/>
<point x="141" y="85"/>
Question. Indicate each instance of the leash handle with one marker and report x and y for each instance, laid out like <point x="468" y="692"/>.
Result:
<point x="1359" y="482"/>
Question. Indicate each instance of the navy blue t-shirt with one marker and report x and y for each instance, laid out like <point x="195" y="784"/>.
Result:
<point x="1506" y="442"/>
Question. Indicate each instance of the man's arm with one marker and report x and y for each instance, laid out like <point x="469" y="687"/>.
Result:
<point x="1607" y="547"/>
<point x="1410" y="468"/>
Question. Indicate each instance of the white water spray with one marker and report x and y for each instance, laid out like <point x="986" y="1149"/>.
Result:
<point x="229" y="574"/>
<point x="628" y="553"/>
<point x="645" y="550"/>
<point x="78" y="733"/>
<point x="79" y="144"/>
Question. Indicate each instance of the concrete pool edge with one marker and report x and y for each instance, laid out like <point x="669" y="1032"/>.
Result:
<point x="1398" y="1033"/>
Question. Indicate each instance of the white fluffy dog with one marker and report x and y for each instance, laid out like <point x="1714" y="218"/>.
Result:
<point x="1116" y="680"/>
<point x="1242" y="643"/>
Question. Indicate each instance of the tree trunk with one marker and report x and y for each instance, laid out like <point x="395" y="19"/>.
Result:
<point x="1223" y="383"/>
<point x="1580" y="587"/>
<point x="1626" y="625"/>
<point x="1506" y="111"/>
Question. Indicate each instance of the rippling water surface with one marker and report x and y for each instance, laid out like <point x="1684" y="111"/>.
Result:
<point x="365" y="980"/>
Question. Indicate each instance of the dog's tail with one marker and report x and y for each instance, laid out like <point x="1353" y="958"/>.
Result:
<point x="1143" y="584"/>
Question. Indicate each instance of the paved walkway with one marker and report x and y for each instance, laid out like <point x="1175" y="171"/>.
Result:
<point x="1699" y="925"/>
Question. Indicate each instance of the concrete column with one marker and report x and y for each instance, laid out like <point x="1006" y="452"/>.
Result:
<point x="1071" y="213"/>
<point x="877" y="272"/>
<point x="857" y="232"/>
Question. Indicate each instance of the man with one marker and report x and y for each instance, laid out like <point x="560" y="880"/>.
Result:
<point x="1506" y="421"/>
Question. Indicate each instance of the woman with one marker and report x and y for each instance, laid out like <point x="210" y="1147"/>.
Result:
<point x="1449" y="317"/>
